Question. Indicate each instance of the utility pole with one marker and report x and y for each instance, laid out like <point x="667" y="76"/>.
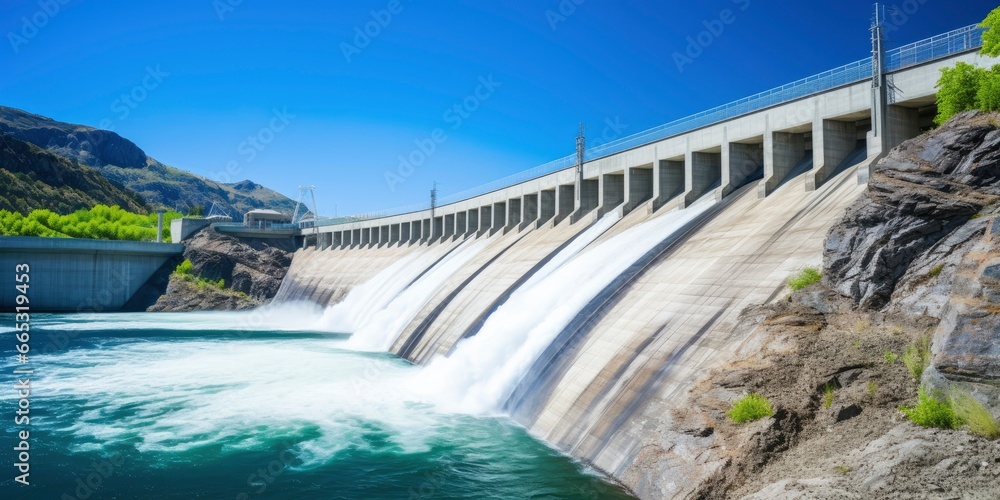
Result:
<point x="880" y="88"/>
<point x="581" y="148"/>
<point x="434" y="195"/>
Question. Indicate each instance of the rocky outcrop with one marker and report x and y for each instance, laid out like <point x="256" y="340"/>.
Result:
<point x="914" y="244"/>
<point x="966" y="344"/>
<point x="915" y="213"/>
<point x="917" y="255"/>
<point x="252" y="270"/>
<point x="185" y="296"/>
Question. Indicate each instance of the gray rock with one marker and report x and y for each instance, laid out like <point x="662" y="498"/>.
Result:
<point x="924" y="191"/>
<point x="254" y="267"/>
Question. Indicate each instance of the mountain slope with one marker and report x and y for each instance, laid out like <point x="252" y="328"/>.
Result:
<point x="31" y="178"/>
<point x="121" y="161"/>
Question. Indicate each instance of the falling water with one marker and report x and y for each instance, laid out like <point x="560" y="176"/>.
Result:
<point x="483" y="370"/>
<point x="380" y="329"/>
<point x="364" y="300"/>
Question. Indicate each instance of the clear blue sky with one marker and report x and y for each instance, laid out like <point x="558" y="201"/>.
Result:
<point x="354" y="116"/>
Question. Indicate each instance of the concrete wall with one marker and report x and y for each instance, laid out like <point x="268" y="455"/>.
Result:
<point x="181" y="228"/>
<point x="784" y="130"/>
<point x="79" y="275"/>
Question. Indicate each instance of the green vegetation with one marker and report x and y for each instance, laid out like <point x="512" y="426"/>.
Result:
<point x="932" y="411"/>
<point x="101" y="223"/>
<point x="971" y="412"/>
<point x="890" y="357"/>
<point x="991" y="36"/>
<point x="965" y="87"/>
<point x="917" y="357"/>
<point x="804" y="278"/>
<point x="828" y="395"/>
<point x="843" y="469"/>
<point x="749" y="408"/>
<point x="935" y="271"/>
<point x="952" y="412"/>
<point x="185" y="268"/>
<point x="872" y="388"/>
<point x="185" y="271"/>
<point x="31" y="177"/>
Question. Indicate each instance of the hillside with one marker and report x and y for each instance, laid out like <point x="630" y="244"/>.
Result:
<point x="31" y="178"/>
<point x="121" y="161"/>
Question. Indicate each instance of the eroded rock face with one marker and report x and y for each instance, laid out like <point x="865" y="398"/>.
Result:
<point x="921" y="194"/>
<point x="966" y="347"/>
<point x="254" y="267"/>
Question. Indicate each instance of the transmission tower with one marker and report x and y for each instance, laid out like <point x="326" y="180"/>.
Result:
<point x="581" y="148"/>
<point x="434" y="197"/>
<point x="880" y="94"/>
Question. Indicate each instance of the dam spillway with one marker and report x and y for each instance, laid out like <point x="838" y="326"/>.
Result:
<point x="596" y="368"/>
<point x="609" y="376"/>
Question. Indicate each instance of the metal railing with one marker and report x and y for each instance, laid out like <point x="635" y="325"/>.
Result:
<point x="930" y="49"/>
<point x="266" y="226"/>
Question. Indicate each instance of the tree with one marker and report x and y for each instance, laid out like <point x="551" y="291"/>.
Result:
<point x="957" y="90"/>
<point x="991" y="33"/>
<point x="988" y="95"/>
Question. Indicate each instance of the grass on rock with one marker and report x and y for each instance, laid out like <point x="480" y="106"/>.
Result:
<point x="749" y="408"/>
<point x="804" y="278"/>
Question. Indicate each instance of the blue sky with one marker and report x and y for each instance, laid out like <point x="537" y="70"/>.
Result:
<point x="328" y="107"/>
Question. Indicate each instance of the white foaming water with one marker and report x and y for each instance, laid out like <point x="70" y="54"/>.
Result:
<point x="383" y="327"/>
<point x="483" y="370"/>
<point x="364" y="300"/>
<point x="171" y="397"/>
<point x="582" y="241"/>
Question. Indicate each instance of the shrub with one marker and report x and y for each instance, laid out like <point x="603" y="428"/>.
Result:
<point x="804" y="278"/>
<point x="932" y="411"/>
<point x="970" y="411"/>
<point x="749" y="408"/>
<point x="101" y="222"/>
<point x="988" y="92"/>
<point x="958" y="90"/>
<point x="918" y="356"/>
<point x="872" y="388"/>
<point x="185" y="268"/>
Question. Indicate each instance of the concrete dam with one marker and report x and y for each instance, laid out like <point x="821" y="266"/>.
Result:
<point x="585" y="302"/>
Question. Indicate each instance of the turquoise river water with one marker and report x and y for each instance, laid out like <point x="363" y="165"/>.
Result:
<point x="229" y="405"/>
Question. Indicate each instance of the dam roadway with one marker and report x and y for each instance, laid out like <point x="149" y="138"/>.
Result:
<point x="763" y="185"/>
<point x="816" y="124"/>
